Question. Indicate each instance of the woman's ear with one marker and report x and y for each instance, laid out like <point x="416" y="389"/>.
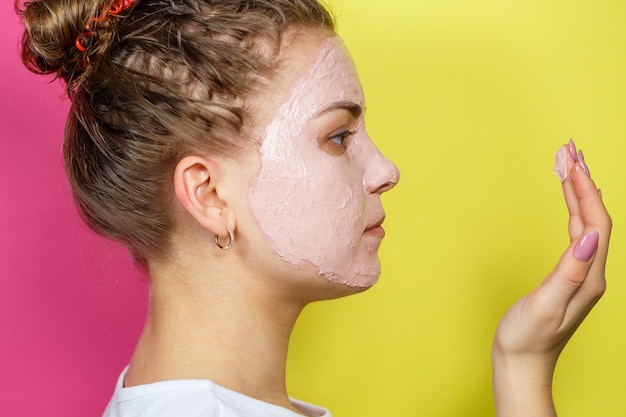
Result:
<point x="195" y="185"/>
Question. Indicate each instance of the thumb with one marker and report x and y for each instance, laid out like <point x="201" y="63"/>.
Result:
<point x="572" y="270"/>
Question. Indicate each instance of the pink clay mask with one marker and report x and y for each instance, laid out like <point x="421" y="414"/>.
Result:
<point x="317" y="195"/>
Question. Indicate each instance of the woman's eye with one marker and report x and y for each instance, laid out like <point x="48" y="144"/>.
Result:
<point x="337" y="142"/>
<point x="340" y="138"/>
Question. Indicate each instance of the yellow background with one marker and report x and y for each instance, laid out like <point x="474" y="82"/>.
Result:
<point x="471" y="99"/>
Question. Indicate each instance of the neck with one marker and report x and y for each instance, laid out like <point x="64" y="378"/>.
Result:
<point x="226" y="331"/>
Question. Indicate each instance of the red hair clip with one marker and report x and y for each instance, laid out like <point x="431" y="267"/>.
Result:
<point x="82" y="37"/>
<point x="117" y="7"/>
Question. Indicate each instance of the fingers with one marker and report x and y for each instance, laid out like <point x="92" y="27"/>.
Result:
<point x="569" y="161"/>
<point x="566" y="158"/>
<point x="589" y="211"/>
<point x="584" y="202"/>
<point x="578" y="280"/>
<point x="575" y="225"/>
<point x="594" y="216"/>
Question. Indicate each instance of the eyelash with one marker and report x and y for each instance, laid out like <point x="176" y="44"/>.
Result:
<point x="341" y="137"/>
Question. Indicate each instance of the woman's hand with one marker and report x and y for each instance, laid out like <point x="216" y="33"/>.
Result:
<point x="534" y="331"/>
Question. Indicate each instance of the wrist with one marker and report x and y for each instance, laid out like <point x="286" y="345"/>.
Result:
<point x="522" y="384"/>
<point x="529" y="366"/>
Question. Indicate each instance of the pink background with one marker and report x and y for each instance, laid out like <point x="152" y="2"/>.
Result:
<point x="71" y="304"/>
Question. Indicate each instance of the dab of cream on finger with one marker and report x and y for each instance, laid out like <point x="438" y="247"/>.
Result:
<point x="563" y="162"/>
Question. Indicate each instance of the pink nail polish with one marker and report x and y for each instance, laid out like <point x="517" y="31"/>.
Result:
<point x="586" y="246"/>
<point x="572" y="150"/>
<point x="581" y="159"/>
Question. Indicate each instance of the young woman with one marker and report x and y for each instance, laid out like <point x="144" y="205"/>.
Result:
<point x="223" y="141"/>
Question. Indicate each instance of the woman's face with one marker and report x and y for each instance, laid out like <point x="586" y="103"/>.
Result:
<point x="316" y="198"/>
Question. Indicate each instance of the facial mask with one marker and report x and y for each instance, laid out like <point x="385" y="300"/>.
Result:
<point x="312" y="206"/>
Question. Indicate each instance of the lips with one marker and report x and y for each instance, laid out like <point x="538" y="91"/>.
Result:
<point x="377" y="223"/>
<point x="375" y="228"/>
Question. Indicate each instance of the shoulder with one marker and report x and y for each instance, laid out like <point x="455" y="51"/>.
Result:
<point x="194" y="398"/>
<point x="183" y="398"/>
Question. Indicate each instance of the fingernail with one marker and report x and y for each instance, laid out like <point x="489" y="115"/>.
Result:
<point x="581" y="159"/>
<point x="586" y="246"/>
<point x="572" y="150"/>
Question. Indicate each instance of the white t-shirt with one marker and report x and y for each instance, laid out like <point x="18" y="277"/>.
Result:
<point x="195" y="398"/>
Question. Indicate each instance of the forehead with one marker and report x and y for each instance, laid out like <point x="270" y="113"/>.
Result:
<point x="329" y="77"/>
<point x="315" y="70"/>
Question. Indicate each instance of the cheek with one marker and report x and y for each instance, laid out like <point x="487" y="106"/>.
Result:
<point x="310" y="206"/>
<point x="338" y="206"/>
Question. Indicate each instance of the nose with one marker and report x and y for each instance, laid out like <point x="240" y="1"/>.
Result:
<point x="380" y="173"/>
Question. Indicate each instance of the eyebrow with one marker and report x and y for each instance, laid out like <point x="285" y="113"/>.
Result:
<point x="354" y="109"/>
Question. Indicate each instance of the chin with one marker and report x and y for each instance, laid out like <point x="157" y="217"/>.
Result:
<point x="330" y="283"/>
<point x="360" y="274"/>
<point x="351" y="285"/>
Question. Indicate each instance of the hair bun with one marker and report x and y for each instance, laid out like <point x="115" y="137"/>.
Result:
<point x="48" y="44"/>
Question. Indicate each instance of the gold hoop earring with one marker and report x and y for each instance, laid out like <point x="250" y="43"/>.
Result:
<point x="230" y="243"/>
